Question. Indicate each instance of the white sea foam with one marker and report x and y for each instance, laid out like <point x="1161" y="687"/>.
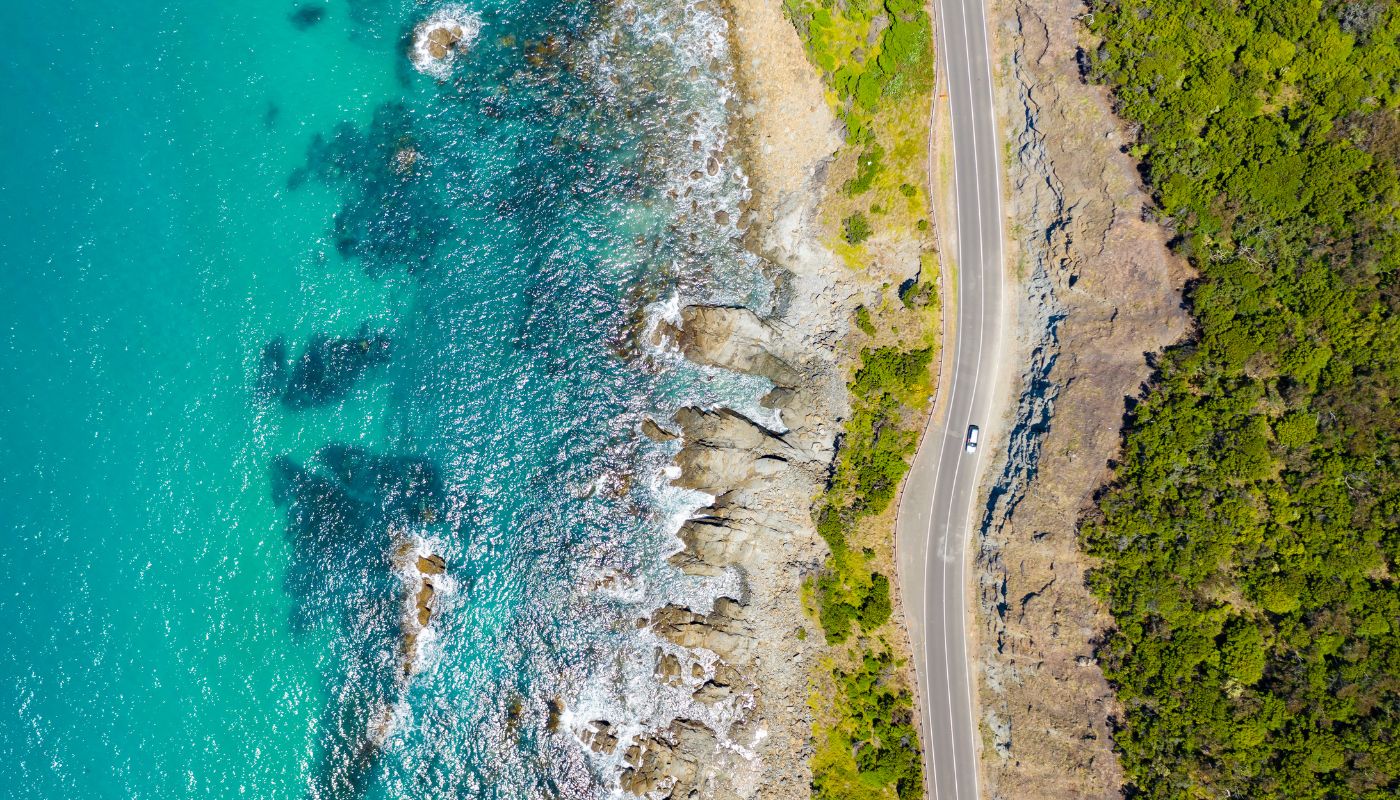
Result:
<point x="706" y="187"/>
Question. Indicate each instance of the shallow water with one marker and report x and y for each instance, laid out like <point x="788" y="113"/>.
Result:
<point x="276" y="302"/>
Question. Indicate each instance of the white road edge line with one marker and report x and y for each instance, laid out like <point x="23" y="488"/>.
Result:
<point x="999" y="276"/>
<point x="991" y="119"/>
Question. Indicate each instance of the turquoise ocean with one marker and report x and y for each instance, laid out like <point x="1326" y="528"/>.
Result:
<point x="275" y="304"/>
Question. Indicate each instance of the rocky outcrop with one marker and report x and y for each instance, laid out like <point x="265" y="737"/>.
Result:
<point x="1100" y="291"/>
<point x="735" y="339"/>
<point x="438" y="39"/>
<point x="683" y="761"/>
<point x="655" y="432"/>
<point x="758" y="524"/>
<point x="724" y="450"/>
<point x="722" y="536"/>
<point x="745" y="731"/>
<point x="419" y="570"/>
<point x="725" y="631"/>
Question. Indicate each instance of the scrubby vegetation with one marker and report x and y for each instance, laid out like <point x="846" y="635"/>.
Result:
<point x="877" y="61"/>
<point x="862" y="74"/>
<point x="857" y="228"/>
<point x="875" y="448"/>
<point x="868" y="746"/>
<point x="1248" y="546"/>
<point x="874" y="750"/>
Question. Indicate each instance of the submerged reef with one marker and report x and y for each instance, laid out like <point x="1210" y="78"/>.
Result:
<point x="341" y="513"/>
<point x="391" y="215"/>
<point x="272" y="370"/>
<point x="307" y="16"/>
<point x="330" y="367"/>
<point x="327" y="370"/>
<point x="357" y="524"/>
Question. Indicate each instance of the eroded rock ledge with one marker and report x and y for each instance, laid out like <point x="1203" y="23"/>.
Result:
<point x="732" y="338"/>
<point x="758" y="524"/>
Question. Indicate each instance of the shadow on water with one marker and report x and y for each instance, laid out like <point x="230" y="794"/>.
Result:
<point x="391" y="216"/>
<point x="345" y="511"/>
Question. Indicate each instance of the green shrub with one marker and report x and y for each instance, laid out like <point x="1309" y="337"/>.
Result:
<point x="916" y="294"/>
<point x="869" y="165"/>
<point x="864" y="322"/>
<point x="900" y="62"/>
<point x="891" y="370"/>
<point x="875" y="609"/>
<point x="856" y="227"/>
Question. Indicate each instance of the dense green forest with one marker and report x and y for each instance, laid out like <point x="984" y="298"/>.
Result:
<point x="1248" y="545"/>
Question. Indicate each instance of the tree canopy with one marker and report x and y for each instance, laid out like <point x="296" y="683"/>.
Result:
<point x="1248" y="545"/>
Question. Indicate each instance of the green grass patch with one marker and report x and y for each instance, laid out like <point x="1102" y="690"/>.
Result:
<point x="868" y="167"/>
<point x="877" y="60"/>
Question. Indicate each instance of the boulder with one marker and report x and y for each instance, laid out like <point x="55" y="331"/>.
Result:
<point x="655" y="432"/>
<point x="725" y="631"/>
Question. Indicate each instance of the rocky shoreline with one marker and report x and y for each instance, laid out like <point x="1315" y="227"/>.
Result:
<point x="748" y="662"/>
<point x="753" y="650"/>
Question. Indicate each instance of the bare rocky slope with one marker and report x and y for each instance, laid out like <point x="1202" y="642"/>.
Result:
<point x="1098" y="291"/>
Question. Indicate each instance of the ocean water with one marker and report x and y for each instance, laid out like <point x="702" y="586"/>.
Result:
<point x="275" y="304"/>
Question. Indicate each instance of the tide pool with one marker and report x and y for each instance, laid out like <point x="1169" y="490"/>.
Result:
<point x="276" y="304"/>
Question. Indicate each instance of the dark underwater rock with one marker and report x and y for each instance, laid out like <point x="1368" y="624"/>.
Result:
<point x="330" y="367"/>
<point x="272" y="370"/>
<point x="307" y="16"/>
<point x="392" y="215"/>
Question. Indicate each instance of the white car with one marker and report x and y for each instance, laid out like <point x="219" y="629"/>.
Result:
<point x="972" y="438"/>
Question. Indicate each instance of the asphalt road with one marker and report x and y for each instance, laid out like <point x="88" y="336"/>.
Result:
<point x="937" y="509"/>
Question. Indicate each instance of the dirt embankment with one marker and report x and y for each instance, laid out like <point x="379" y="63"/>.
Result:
<point x="1098" y="291"/>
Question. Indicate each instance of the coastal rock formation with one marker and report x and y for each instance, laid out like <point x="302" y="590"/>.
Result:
<point x="1100" y="291"/>
<point x="419" y="570"/>
<point x="655" y="432"/>
<point x="723" y="535"/>
<point x="725" y="450"/>
<point x="725" y="631"/>
<point x="438" y="39"/>
<point x="732" y="338"/>
<point x="683" y="761"/>
<point x="748" y="731"/>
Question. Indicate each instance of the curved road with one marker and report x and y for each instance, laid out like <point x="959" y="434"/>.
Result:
<point x="937" y="505"/>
